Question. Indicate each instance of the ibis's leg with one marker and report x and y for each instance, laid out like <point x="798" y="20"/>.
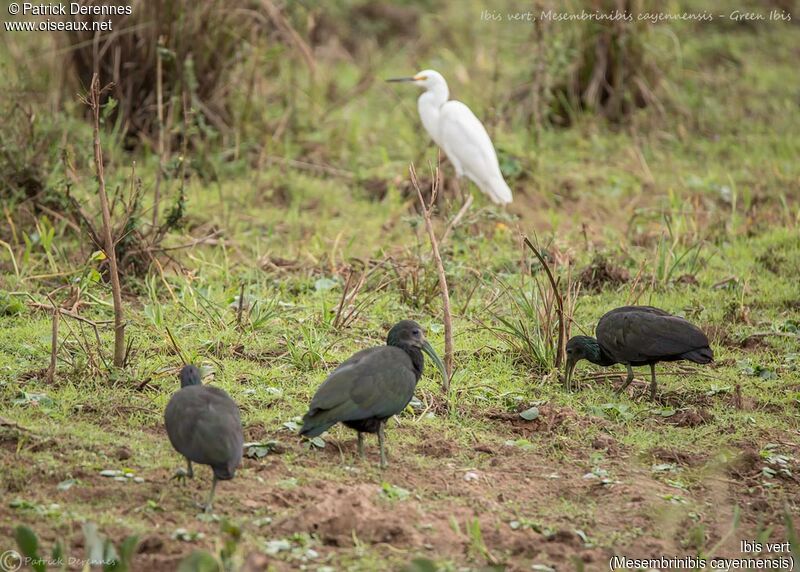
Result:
<point x="652" y="382"/>
<point x="381" y="444"/>
<point x="628" y="379"/>
<point x="189" y="471"/>
<point x="210" y="502"/>
<point x="360" y="444"/>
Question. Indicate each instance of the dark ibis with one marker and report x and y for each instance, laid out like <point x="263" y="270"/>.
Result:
<point x="636" y="336"/>
<point x="204" y="425"/>
<point x="371" y="386"/>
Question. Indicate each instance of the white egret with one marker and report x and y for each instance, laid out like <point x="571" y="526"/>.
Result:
<point x="460" y="134"/>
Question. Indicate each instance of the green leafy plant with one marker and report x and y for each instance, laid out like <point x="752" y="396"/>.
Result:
<point x="527" y="323"/>
<point x="393" y="492"/>
<point x="200" y="561"/>
<point x="616" y="411"/>
<point x="153" y="309"/>
<point x="10" y="305"/>
<point x="791" y="533"/>
<point x="305" y="349"/>
<point x="477" y="545"/>
<point x="228" y="558"/>
<point x="45" y="234"/>
<point x="261" y="313"/>
<point x="100" y="551"/>
<point x="28" y="546"/>
<point x="673" y="255"/>
<point x="421" y="565"/>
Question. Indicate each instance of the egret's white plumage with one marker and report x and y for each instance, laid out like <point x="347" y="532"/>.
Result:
<point x="461" y="135"/>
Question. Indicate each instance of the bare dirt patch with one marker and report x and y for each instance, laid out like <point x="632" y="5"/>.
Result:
<point x="670" y="455"/>
<point x="336" y="512"/>
<point x="602" y="273"/>
<point x="689" y="418"/>
<point x="550" y="418"/>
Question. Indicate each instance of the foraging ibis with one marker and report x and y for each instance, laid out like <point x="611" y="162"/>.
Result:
<point x="371" y="386"/>
<point x="639" y="335"/>
<point x="204" y="425"/>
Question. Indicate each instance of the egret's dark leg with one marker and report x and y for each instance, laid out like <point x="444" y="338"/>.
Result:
<point x="652" y="382"/>
<point x="381" y="444"/>
<point x="360" y="444"/>
<point x="628" y="379"/>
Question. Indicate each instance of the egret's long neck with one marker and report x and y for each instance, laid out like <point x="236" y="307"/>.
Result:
<point x="438" y="92"/>
<point x="429" y="104"/>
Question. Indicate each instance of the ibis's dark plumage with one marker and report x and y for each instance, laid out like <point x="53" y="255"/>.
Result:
<point x="639" y="335"/>
<point x="204" y="425"/>
<point x="371" y="386"/>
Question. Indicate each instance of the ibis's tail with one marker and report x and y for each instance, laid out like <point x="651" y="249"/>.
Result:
<point x="314" y="426"/>
<point x="700" y="355"/>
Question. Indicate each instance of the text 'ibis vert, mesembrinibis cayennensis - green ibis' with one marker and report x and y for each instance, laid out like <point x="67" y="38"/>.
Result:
<point x="204" y="425"/>
<point x="639" y="335"/>
<point x="371" y="386"/>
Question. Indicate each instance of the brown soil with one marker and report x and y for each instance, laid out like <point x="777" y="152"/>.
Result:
<point x="689" y="418"/>
<point x="338" y="499"/>
<point x="676" y="456"/>
<point x="601" y="274"/>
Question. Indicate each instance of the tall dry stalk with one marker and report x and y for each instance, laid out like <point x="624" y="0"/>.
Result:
<point x="51" y="371"/>
<point x="93" y="101"/>
<point x="160" y="116"/>
<point x="427" y="209"/>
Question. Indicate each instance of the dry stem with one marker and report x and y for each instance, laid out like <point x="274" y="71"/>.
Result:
<point x="160" y="115"/>
<point x="108" y="240"/>
<point x="448" y="320"/>
<point x="51" y="371"/>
